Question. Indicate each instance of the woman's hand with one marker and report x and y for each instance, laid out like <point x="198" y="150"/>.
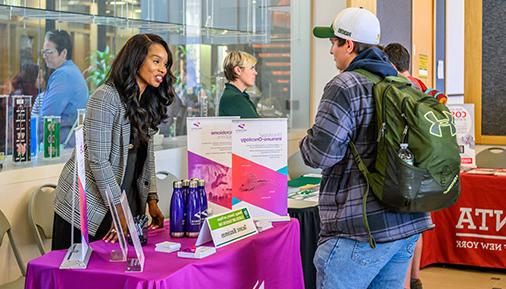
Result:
<point x="112" y="235"/>
<point x="156" y="215"/>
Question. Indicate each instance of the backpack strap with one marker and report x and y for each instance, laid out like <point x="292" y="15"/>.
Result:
<point x="365" y="172"/>
<point x="375" y="79"/>
<point x="369" y="75"/>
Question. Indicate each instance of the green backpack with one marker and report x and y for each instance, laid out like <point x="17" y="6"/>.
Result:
<point x="406" y="115"/>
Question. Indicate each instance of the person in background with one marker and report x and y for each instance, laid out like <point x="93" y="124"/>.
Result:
<point x="26" y="81"/>
<point x="66" y="89"/>
<point x="346" y="113"/>
<point x="239" y="68"/>
<point x="41" y="85"/>
<point x="121" y="118"/>
<point x="400" y="58"/>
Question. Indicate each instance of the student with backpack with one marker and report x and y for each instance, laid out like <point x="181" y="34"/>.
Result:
<point x="345" y="257"/>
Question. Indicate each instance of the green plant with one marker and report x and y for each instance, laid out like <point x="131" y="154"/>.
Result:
<point x="100" y="64"/>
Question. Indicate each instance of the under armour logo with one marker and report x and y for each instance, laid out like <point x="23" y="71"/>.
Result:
<point x="437" y="124"/>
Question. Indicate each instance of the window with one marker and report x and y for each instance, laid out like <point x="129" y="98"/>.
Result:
<point x="199" y="34"/>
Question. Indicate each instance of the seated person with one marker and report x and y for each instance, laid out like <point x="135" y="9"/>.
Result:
<point x="66" y="89"/>
<point x="239" y="68"/>
<point x="25" y="82"/>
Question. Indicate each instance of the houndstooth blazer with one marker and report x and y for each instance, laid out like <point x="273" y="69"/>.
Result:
<point x="106" y="140"/>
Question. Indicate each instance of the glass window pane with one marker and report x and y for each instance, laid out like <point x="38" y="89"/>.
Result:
<point x="200" y="34"/>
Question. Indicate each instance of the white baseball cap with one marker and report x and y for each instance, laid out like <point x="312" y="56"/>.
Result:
<point x="357" y="24"/>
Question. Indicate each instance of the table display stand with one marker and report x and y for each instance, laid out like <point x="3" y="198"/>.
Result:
<point x="121" y="255"/>
<point x="135" y="264"/>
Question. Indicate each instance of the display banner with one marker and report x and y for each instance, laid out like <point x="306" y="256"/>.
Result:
<point x="227" y="228"/>
<point x="210" y="158"/>
<point x="81" y="184"/>
<point x="259" y="167"/>
<point x="472" y="232"/>
<point x="78" y="254"/>
<point x="463" y="114"/>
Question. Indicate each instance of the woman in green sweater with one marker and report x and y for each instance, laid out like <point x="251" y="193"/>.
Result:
<point x="239" y="68"/>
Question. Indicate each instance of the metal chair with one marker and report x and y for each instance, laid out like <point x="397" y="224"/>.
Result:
<point x="297" y="167"/>
<point x="41" y="222"/>
<point x="164" y="181"/>
<point x="5" y="227"/>
<point x="494" y="158"/>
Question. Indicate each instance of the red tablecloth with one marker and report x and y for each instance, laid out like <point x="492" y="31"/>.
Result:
<point x="472" y="231"/>
<point x="270" y="259"/>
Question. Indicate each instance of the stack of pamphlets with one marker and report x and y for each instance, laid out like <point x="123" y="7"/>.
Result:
<point x="167" y="247"/>
<point x="196" y="253"/>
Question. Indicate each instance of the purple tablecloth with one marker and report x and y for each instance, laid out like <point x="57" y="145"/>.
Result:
<point x="271" y="257"/>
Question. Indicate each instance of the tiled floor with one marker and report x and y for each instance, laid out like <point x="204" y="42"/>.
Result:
<point x="439" y="277"/>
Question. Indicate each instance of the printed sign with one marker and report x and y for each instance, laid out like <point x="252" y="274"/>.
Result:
<point x="227" y="228"/>
<point x="210" y="158"/>
<point x="81" y="185"/>
<point x="21" y="128"/>
<point x="52" y="125"/>
<point x="78" y="254"/>
<point x="423" y="66"/>
<point x="463" y="114"/>
<point x="259" y="167"/>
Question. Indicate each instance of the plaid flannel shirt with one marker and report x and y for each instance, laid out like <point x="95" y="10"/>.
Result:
<point x="347" y="113"/>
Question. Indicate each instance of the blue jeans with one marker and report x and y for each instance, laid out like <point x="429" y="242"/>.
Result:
<point x="349" y="264"/>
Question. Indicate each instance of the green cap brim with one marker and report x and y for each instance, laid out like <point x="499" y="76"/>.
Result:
<point x="323" y="32"/>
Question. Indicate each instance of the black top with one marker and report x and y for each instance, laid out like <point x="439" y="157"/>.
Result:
<point x="137" y="154"/>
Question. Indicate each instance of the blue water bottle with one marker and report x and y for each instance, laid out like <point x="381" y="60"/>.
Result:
<point x="34" y="141"/>
<point x="186" y="189"/>
<point x="203" y="201"/>
<point x="177" y="210"/>
<point x="193" y="211"/>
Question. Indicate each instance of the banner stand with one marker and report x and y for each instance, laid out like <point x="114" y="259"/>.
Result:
<point x="74" y="257"/>
<point x="259" y="168"/>
<point x="78" y="254"/>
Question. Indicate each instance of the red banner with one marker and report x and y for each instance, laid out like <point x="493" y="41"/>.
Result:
<point x="473" y="231"/>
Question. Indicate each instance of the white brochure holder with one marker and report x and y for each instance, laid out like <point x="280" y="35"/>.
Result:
<point x="117" y="256"/>
<point x="78" y="254"/>
<point x="133" y="264"/>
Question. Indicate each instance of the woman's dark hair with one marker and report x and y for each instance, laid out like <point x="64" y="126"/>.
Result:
<point x="62" y="40"/>
<point x="25" y="80"/>
<point x="151" y="109"/>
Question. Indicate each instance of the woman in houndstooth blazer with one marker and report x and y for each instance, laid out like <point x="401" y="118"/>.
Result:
<point x="121" y="119"/>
